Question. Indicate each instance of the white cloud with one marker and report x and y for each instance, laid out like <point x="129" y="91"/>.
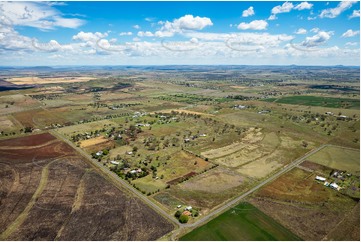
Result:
<point x="350" y="33"/>
<point x="315" y="30"/>
<point x="248" y="12"/>
<point x="89" y="36"/>
<point x="185" y="23"/>
<point x="319" y="39"/>
<point x="36" y="14"/>
<point x="311" y="18"/>
<point x="351" y="44"/>
<point x="125" y="33"/>
<point x="301" y="31"/>
<point x="303" y="5"/>
<point x="287" y="7"/>
<point x="254" y="25"/>
<point x="136" y="39"/>
<point x="150" y="19"/>
<point x="272" y="17"/>
<point x="284" y="8"/>
<point x="145" y="34"/>
<point x="355" y="14"/>
<point x="334" y="12"/>
<point x="136" y="26"/>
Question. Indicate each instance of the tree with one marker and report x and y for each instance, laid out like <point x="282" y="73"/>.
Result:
<point x="28" y="129"/>
<point x="178" y="214"/>
<point x="183" y="219"/>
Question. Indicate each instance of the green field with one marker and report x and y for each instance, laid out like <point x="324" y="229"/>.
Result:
<point x="328" y="102"/>
<point x="243" y="222"/>
<point x="338" y="158"/>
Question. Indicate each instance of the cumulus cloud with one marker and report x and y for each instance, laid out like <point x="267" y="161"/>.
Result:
<point x="145" y="34"/>
<point x="125" y="33"/>
<point x="36" y="14"/>
<point x="355" y="14"/>
<point x="334" y="12"/>
<point x="89" y="36"/>
<point x="136" y="26"/>
<point x="303" y="5"/>
<point x="284" y="8"/>
<point x="272" y="17"/>
<point x="248" y="12"/>
<point x="350" y="33"/>
<point x="287" y="7"/>
<point x="185" y="23"/>
<point x="351" y="43"/>
<point x="315" y="30"/>
<point x="301" y="31"/>
<point x="319" y="39"/>
<point x="254" y="25"/>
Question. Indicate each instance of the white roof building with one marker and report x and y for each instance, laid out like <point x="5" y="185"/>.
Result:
<point x="114" y="162"/>
<point x="320" y="178"/>
<point x="334" y="185"/>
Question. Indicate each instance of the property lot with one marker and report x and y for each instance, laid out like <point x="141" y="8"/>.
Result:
<point x="44" y="180"/>
<point x="306" y="207"/>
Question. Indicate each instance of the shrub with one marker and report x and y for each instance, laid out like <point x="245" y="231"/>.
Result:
<point x="183" y="219"/>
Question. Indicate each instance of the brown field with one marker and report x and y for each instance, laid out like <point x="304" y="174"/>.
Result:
<point x="39" y="80"/>
<point x="49" y="192"/>
<point x="39" y="118"/>
<point x="100" y="146"/>
<point x="93" y="141"/>
<point x="305" y="206"/>
<point x="215" y="181"/>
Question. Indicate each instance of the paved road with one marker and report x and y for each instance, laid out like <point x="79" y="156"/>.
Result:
<point x="116" y="177"/>
<point x="204" y="219"/>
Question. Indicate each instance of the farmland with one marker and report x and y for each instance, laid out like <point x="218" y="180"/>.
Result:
<point x="181" y="140"/>
<point x="297" y="200"/>
<point x="243" y="222"/>
<point x="328" y="102"/>
<point x="44" y="179"/>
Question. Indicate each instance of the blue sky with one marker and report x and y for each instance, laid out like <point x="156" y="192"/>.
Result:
<point x="161" y="33"/>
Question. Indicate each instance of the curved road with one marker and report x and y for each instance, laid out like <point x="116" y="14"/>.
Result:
<point x="204" y="219"/>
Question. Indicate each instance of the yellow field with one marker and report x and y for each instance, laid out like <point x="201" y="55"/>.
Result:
<point x="38" y="80"/>
<point x="5" y="122"/>
<point x="92" y="141"/>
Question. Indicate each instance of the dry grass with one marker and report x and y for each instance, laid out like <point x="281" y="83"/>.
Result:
<point x="301" y="204"/>
<point x="214" y="181"/>
<point x="39" y="80"/>
<point x="93" y="141"/>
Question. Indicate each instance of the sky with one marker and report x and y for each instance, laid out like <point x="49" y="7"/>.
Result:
<point x="186" y="33"/>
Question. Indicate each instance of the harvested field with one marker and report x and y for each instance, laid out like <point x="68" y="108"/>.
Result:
<point x="39" y="118"/>
<point x="6" y="123"/>
<point x="49" y="192"/>
<point x="252" y="136"/>
<point x="217" y="180"/>
<point x="93" y="141"/>
<point x="38" y="80"/>
<point x="306" y="207"/>
<point x="338" y="158"/>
